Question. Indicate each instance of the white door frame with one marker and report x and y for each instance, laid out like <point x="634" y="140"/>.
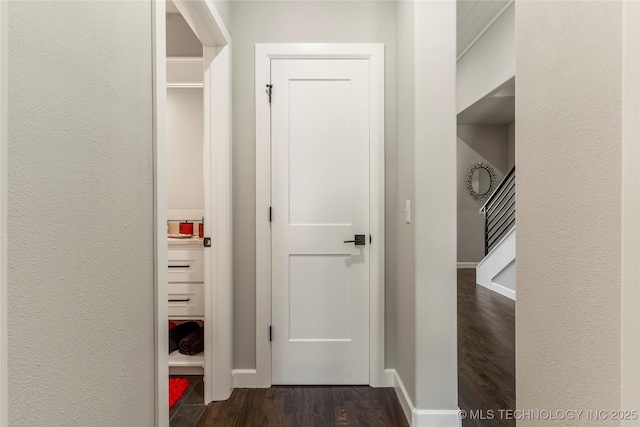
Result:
<point x="204" y="19"/>
<point x="630" y="322"/>
<point x="4" y="416"/>
<point x="264" y="53"/>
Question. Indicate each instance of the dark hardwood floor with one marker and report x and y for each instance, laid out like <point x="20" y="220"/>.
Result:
<point x="316" y="406"/>
<point x="486" y="353"/>
<point x="486" y="380"/>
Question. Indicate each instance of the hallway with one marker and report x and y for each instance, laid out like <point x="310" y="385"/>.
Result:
<point x="486" y="358"/>
<point x="284" y="406"/>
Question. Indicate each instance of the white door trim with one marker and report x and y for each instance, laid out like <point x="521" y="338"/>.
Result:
<point x="206" y="22"/>
<point x="4" y="417"/>
<point x="160" y="215"/>
<point x="630" y="322"/>
<point x="264" y="53"/>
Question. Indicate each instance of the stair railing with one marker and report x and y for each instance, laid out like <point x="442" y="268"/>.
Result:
<point x="500" y="211"/>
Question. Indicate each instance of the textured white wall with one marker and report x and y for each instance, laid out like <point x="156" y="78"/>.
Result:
<point x="476" y="143"/>
<point x="3" y="212"/>
<point x="80" y="279"/>
<point x="435" y="205"/>
<point x="489" y="63"/>
<point x="185" y="127"/>
<point x="289" y="22"/>
<point x="568" y="111"/>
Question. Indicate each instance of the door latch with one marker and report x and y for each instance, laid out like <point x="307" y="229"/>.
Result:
<point x="269" y="90"/>
<point x="206" y="242"/>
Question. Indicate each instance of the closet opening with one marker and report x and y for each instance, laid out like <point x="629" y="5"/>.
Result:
<point x="185" y="220"/>
<point x="193" y="257"/>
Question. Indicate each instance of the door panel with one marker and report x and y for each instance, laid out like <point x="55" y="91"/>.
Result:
<point x="319" y="289"/>
<point x="320" y="198"/>
<point x="319" y="154"/>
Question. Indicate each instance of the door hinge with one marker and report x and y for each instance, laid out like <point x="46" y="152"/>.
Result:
<point x="369" y="238"/>
<point x="270" y="214"/>
<point x="270" y="334"/>
<point x="269" y="89"/>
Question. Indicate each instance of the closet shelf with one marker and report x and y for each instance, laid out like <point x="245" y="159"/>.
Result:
<point x="177" y="359"/>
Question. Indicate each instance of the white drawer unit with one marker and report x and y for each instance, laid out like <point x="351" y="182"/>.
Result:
<point x="186" y="300"/>
<point x="186" y="265"/>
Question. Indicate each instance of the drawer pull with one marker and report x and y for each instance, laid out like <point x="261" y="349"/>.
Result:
<point x="179" y="266"/>
<point x="180" y="300"/>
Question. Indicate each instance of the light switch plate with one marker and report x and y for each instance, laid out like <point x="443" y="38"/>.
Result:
<point x="407" y="211"/>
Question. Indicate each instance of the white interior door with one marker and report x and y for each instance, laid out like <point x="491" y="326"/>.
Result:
<point x="320" y="197"/>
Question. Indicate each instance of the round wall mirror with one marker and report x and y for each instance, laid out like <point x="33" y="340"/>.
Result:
<point x="481" y="181"/>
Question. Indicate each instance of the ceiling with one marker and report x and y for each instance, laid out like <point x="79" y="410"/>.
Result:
<point x="474" y="16"/>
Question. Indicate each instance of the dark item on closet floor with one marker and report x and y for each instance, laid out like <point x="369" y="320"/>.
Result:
<point x="179" y="332"/>
<point x="177" y="387"/>
<point x="193" y="343"/>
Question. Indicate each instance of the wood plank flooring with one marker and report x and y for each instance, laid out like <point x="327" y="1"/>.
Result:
<point x="486" y="352"/>
<point x="317" y="406"/>
<point x="486" y="380"/>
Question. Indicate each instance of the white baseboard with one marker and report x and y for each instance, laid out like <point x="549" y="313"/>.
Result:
<point x="248" y="378"/>
<point x="245" y="378"/>
<point x="499" y="289"/>
<point x="511" y="294"/>
<point x="423" y="417"/>
<point x="462" y="265"/>
<point x="434" y="418"/>
<point x="401" y="392"/>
